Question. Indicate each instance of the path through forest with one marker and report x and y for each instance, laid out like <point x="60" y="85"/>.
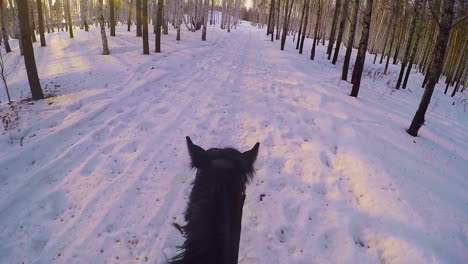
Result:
<point x="99" y="173"/>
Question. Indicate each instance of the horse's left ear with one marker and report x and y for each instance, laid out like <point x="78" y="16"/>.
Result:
<point x="250" y="156"/>
<point x="197" y="154"/>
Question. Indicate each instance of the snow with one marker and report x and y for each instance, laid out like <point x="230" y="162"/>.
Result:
<point x="97" y="173"/>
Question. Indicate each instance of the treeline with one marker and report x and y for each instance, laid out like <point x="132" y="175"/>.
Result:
<point x="30" y="20"/>
<point x="429" y="35"/>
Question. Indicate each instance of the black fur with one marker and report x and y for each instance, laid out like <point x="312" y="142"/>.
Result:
<point x="214" y="210"/>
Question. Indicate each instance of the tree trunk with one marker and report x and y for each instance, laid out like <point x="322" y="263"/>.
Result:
<point x="285" y="25"/>
<point x="319" y="10"/>
<point x="105" y="48"/>
<point x="340" y="32"/>
<point x="29" y="60"/>
<point x="361" y="56"/>
<point x="112" y="18"/>
<point x="349" y="46"/>
<point x="272" y="30"/>
<point x="301" y="46"/>
<point x="158" y="26"/>
<point x="408" y="43"/>
<point x="205" y="19"/>
<point x="4" y="28"/>
<point x="129" y="20"/>
<point x="300" y="25"/>
<point x="144" y="21"/>
<point x="83" y="16"/>
<point x="331" y="39"/>
<point x="70" y="22"/>
<point x="138" y="17"/>
<point x="33" y="24"/>
<point x="436" y="67"/>
<point x="394" y="27"/>
<point x="278" y="19"/>
<point x="41" y="23"/>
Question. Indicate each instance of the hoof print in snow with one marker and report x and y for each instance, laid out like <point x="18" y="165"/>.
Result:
<point x="261" y="197"/>
<point x="361" y="244"/>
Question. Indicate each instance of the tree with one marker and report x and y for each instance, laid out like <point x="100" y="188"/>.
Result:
<point x="205" y="19"/>
<point x="331" y="39"/>
<point x="436" y="67"/>
<point x="4" y="28"/>
<point x="129" y="20"/>
<point x="41" y="22"/>
<point x="158" y="26"/>
<point x="83" y="11"/>
<point x="349" y="46"/>
<point x="145" y="27"/>
<point x="105" y="48"/>
<point x="409" y="42"/>
<point x="29" y="60"/>
<point x="112" y="17"/>
<point x="138" y="17"/>
<point x="319" y="10"/>
<point x="304" y="27"/>
<point x="70" y="22"/>
<point x="3" y="75"/>
<point x="344" y="16"/>
<point x="361" y="56"/>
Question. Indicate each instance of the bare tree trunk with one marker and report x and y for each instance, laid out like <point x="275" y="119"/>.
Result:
<point x="138" y="17"/>
<point x="301" y="46"/>
<point x="205" y="19"/>
<point x="70" y="22"/>
<point x="278" y="19"/>
<point x="112" y="18"/>
<point x="158" y="26"/>
<point x="29" y="60"/>
<point x="144" y="20"/>
<point x="33" y="25"/>
<point x="319" y="10"/>
<point x="272" y="29"/>
<point x="436" y="67"/>
<point x="83" y="16"/>
<point x="41" y="23"/>
<point x="344" y="17"/>
<point x="300" y="25"/>
<point x="361" y="56"/>
<point x="4" y="28"/>
<point x="408" y="43"/>
<point x="349" y="47"/>
<point x="331" y="39"/>
<point x="129" y="20"/>
<point x="105" y="47"/>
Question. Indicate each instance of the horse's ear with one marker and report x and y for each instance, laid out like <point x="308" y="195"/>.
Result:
<point x="197" y="154"/>
<point x="250" y="156"/>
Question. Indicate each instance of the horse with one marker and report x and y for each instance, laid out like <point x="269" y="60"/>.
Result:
<point x="214" y="212"/>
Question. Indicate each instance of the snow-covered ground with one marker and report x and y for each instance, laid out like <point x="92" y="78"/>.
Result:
<point x="98" y="173"/>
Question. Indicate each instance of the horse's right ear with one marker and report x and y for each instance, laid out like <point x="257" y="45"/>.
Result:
<point x="197" y="154"/>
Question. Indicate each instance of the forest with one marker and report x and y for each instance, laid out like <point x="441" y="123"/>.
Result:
<point x="359" y="108"/>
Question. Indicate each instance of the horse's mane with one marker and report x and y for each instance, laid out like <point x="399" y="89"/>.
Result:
<point x="218" y="188"/>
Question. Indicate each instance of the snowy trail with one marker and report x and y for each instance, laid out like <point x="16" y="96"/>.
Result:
<point x="103" y="172"/>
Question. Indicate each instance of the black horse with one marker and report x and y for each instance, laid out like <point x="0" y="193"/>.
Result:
<point x="214" y="211"/>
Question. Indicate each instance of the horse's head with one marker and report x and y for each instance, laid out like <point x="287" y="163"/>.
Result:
<point x="225" y="160"/>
